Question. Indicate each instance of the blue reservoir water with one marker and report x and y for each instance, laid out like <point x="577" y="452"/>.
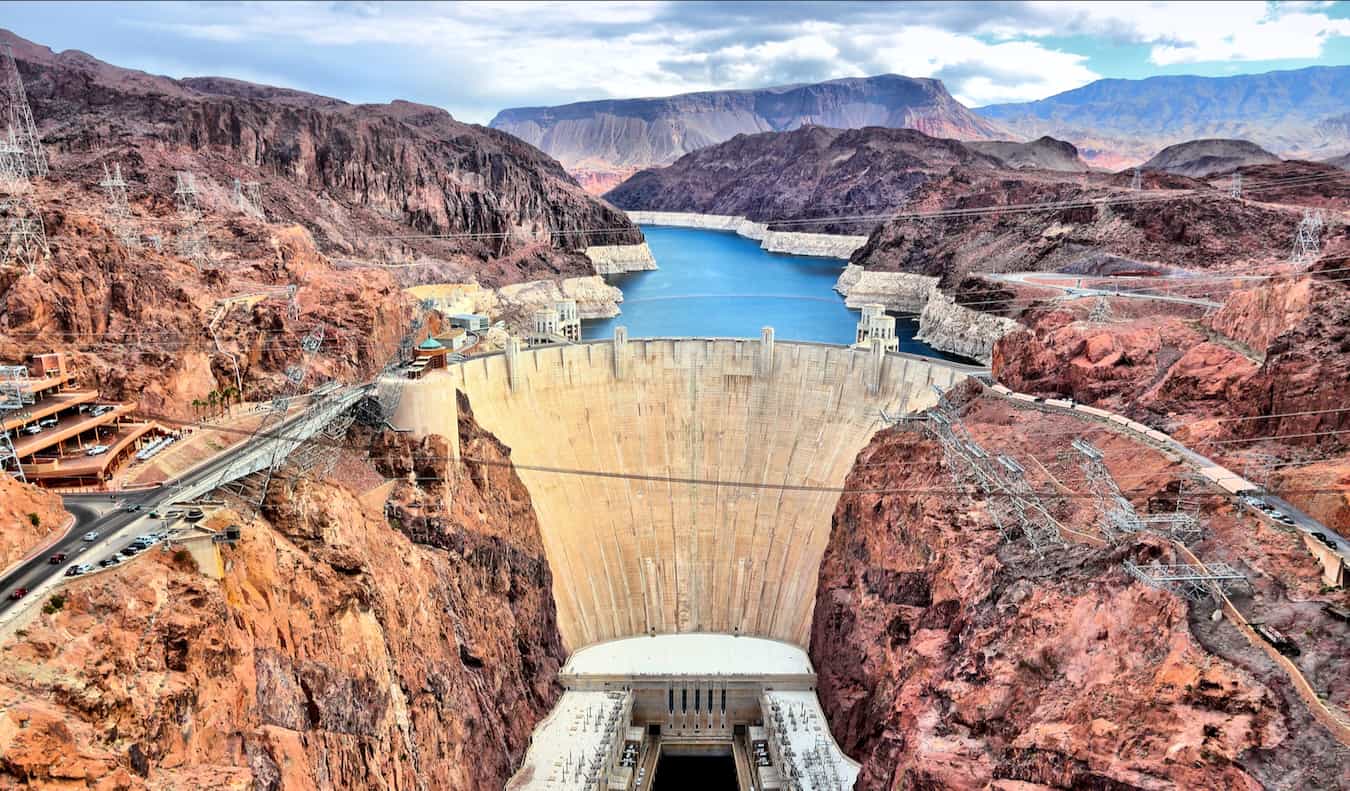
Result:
<point x="715" y="283"/>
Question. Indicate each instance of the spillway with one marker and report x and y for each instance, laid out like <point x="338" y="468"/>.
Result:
<point x="684" y="489"/>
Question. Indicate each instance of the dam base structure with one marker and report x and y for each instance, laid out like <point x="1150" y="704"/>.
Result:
<point x="684" y="489"/>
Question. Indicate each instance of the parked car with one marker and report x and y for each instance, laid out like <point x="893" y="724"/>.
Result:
<point x="111" y="560"/>
<point x="96" y="450"/>
<point x="47" y="422"/>
<point x="131" y="549"/>
<point x="33" y="429"/>
<point x="92" y="535"/>
<point x="18" y="593"/>
<point x="59" y="557"/>
<point x="76" y="570"/>
<point x="1329" y="542"/>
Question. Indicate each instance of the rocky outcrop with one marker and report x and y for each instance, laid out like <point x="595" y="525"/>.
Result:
<point x="900" y="292"/>
<point x="398" y="181"/>
<point x="595" y="298"/>
<point x="956" y="329"/>
<point x="949" y="658"/>
<point x="617" y="259"/>
<point x="1200" y="158"/>
<point x="149" y="326"/>
<point x="1045" y="153"/>
<point x="350" y="644"/>
<point x="811" y="179"/>
<point x="28" y="516"/>
<point x="824" y="245"/>
<point x="613" y="135"/>
<point x="944" y="324"/>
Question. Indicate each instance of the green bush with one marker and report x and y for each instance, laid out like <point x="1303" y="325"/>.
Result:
<point x="55" y="603"/>
<point x="35" y="520"/>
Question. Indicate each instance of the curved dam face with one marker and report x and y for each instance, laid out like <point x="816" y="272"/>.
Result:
<point x="661" y="550"/>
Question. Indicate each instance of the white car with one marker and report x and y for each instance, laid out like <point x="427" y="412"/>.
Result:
<point x="33" y="429"/>
<point x="97" y="450"/>
<point x="92" y="535"/>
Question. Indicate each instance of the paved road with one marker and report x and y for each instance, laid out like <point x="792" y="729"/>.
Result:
<point x="1029" y="279"/>
<point x="101" y="512"/>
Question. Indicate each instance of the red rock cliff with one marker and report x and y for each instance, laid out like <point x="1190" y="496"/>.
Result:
<point x="947" y="659"/>
<point x="343" y="649"/>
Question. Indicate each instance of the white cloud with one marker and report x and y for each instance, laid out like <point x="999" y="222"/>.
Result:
<point x="471" y="57"/>
<point x="1202" y="32"/>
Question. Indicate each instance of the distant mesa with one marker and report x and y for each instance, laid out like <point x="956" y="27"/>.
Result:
<point x="1044" y="153"/>
<point x="1201" y="158"/>
<point x="1116" y="123"/>
<point x="600" y="139"/>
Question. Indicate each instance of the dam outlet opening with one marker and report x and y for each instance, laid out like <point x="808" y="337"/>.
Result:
<point x="684" y="489"/>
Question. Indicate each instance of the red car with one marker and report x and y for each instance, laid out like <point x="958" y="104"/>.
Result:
<point x="59" y="557"/>
<point x="18" y="593"/>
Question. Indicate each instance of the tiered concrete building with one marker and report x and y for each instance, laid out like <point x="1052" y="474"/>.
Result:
<point x="875" y="325"/>
<point x="558" y="324"/>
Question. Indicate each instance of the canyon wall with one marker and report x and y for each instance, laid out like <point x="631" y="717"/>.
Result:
<point x="824" y="245"/>
<point x="704" y="541"/>
<point x="950" y="658"/>
<point x="349" y="644"/>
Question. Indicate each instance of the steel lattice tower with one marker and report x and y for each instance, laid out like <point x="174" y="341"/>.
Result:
<point x="19" y="117"/>
<point x="13" y="165"/>
<point x="25" y="239"/>
<point x="1308" y="237"/>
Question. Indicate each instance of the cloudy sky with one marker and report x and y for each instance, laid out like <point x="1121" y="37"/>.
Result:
<point x="477" y="58"/>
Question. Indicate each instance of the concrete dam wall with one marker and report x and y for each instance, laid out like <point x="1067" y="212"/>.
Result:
<point x="661" y="553"/>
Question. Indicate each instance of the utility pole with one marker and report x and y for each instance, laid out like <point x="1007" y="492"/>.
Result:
<point x="1137" y="180"/>
<point x="19" y="116"/>
<point x="1235" y="189"/>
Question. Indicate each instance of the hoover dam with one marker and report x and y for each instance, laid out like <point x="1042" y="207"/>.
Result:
<point x="684" y="489"/>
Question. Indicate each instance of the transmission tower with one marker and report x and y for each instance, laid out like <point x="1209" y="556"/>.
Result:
<point x="1235" y="189"/>
<point x="25" y="238"/>
<point x="19" y="117"/>
<point x="293" y="302"/>
<point x="192" y="242"/>
<point x="1308" y="237"/>
<point x="13" y="165"/>
<point x="248" y="197"/>
<point x="1101" y="311"/>
<point x="119" y="210"/>
<point x="1137" y="180"/>
<point x="14" y="396"/>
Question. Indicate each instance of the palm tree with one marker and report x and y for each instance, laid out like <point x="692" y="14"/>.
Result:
<point x="211" y="399"/>
<point x="196" y="405"/>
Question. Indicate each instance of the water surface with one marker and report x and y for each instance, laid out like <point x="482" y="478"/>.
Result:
<point x="715" y="283"/>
